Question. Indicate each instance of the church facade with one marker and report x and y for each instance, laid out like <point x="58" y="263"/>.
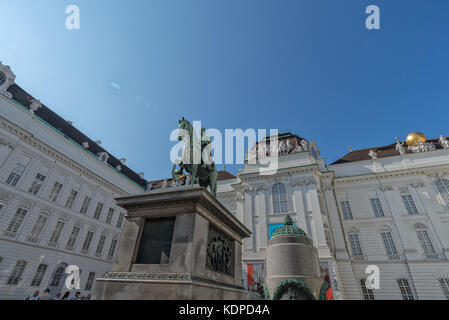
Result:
<point x="386" y="207"/>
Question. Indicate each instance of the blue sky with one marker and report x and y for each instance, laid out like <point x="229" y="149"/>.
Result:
<point x="308" y="67"/>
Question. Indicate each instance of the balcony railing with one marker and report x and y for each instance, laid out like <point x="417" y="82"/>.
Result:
<point x="433" y="256"/>
<point x="10" y="234"/>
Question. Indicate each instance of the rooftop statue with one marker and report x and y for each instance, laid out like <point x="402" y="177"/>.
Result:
<point x="196" y="158"/>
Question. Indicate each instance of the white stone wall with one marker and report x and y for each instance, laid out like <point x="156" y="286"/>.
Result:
<point x="314" y="193"/>
<point x="253" y="203"/>
<point x="27" y="140"/>
<point x="357" y="184"/>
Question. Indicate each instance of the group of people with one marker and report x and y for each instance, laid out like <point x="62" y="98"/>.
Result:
<point x="47" y="296"/>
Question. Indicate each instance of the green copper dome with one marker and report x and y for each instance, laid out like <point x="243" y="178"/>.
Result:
<point x="288" y="230"/>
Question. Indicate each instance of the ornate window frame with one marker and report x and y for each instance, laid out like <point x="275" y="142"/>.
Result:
<point x="282" y="198"/>
<point x="421" y="226"/>
<point x="444" y="200"/>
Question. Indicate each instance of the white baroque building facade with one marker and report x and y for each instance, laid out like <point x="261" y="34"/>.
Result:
<point x="57" y="191"/>
<point x="386" y="206"/>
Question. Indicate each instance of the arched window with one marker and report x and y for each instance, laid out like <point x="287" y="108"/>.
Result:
<point x="16" y="221"/>
<point x="387" y="239"/>
<point x="38" y="227"/>
<point x="279" y="198"/>
<point x="57" y="231"/>
<point x="424" y="238"/>
<point x="443" y="188"/>
<point x="58" y="278"/>
<point x="88" y="240"/>
<point x="17" y="273"/>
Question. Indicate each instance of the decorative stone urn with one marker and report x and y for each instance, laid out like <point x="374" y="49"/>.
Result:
<point x="293" y="269"/>
<point x="177" y="244"/>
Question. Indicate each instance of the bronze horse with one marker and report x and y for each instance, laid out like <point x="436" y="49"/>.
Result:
<point x="205" y="173"/>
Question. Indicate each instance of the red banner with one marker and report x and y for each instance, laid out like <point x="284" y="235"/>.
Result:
<point x="329" y="294"/>
<point x="250" y="275"/>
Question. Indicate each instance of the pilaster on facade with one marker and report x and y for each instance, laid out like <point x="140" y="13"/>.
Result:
<point x="248" y="243"/>
<point x="410" y="243"/>
<point x="299" y="207"/>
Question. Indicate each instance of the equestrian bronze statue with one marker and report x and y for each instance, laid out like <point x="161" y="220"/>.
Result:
<point x="196" y="158"/>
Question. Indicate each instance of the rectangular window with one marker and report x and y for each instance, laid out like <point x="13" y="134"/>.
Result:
<point x="38" y="227"/>
<point x="85" y="205"/>
<point x="112" y="248"/>
<point x="57" y="232"/>
<point x="120" y="220"/>
<point x="387" y="239"/>
<point x="17" y="273"/>
<point x="90" y="281"/>
<point x="17" y="220"/>
<point x="73" y="236"/>
<point x="279" y="198"/>
<point x="444" y="282"/>
<point x="55" y="191"/>
<point x="368" y="294"/>
<point x="39" y="275"/>
<point x="110" y="216"/>
<point x="346" y="208"/>
<point x="377" y="207"/>
<point x="71" y="199"/>
<point x="88" y="241"/>
<point x="15" y="174"/>
<point x="98" y="210"/>
<point x="409" y="204"/>
<point x="355" y="244"/>
<point x="406" y="291"/>
<point x="100" y="246"/>
<point x="37" y="184"/>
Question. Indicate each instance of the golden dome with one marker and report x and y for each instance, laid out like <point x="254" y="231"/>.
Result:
<point x="415" y="137"/>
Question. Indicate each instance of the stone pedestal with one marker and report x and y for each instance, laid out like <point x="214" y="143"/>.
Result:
<point x="293" y="269"/>
<point x="177" y="243"/>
